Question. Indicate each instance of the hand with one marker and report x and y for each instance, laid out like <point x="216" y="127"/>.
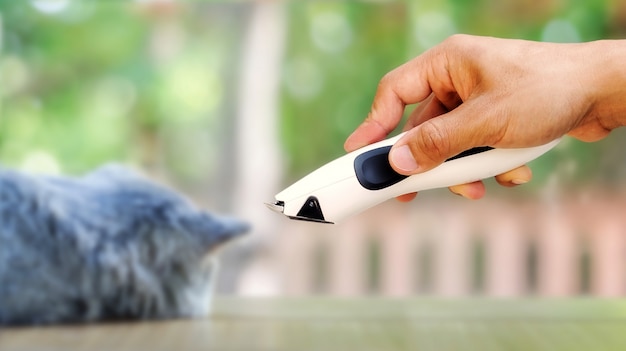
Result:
<point x="480" y="91"/>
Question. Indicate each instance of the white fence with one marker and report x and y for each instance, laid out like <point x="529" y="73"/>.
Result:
<point x="456" y="248"/>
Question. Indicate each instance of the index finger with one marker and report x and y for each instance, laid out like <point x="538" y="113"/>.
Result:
<point x="407" y="84"/>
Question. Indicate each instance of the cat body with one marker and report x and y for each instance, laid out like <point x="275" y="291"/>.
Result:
<point x="109" y="245"/>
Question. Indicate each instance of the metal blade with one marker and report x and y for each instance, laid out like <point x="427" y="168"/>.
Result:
<point x="277" y="206"/>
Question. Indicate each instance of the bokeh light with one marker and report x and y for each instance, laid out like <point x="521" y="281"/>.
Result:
<point x="50" y="6"/>
<point x="303" y="78"/>
<point x="40" y="162"/>
<point x="433" y="27"/>
<point x="331" y="31"/>
<point x="560" y="31"/>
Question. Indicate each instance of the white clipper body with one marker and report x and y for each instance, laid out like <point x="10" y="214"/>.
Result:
<point x="364" y="178"/>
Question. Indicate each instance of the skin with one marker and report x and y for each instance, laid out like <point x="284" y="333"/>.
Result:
<point x="481" y="91"/>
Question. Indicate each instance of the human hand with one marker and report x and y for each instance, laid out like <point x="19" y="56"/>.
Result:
<point x="480" y="91"/>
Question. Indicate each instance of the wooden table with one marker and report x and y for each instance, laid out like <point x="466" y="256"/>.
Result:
<point x="354" y="324"/>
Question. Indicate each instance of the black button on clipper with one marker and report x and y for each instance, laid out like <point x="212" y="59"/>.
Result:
<point x="374" y="172"/>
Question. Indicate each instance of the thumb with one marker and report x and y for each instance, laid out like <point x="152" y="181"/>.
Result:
<point x="431" y="143"/>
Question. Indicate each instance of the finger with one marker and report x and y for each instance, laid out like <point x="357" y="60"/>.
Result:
<point x="472" y="191"/>
<point x="429" y="108"/>
<point x="589" y="133"/>
<point x="514" y="177"/>
<point x="435" y="140"/>
<point x="407" y="84"/>
<point x="406" y="197"/>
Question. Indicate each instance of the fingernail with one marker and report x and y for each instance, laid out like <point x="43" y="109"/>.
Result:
<point x="403" y="159"/>
<point x="519" y="181"/>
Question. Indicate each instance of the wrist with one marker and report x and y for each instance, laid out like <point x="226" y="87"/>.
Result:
<point x="608" y="82"/>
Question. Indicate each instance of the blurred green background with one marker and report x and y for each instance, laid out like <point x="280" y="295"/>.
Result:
<point x="163" y="85"/>
<point x="153" y="83"/>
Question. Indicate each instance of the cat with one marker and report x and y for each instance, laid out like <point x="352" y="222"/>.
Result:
<point x="106" y="246"/>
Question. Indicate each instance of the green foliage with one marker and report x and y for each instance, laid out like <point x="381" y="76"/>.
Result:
<point x="63" y="93"/>
<point x="329" y="82"/>
<point x="156" y="84"/>
<point x="118" y="81"/>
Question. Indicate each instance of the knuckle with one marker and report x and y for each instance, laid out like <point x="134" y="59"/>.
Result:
<point x="456" y="40"/>
<point x="464" y="46"/>
<point x="432" y="142"/>
<point x="385" y="81"/>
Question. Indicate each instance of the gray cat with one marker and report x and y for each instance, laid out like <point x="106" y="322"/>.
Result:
<point x="110" y="245"/>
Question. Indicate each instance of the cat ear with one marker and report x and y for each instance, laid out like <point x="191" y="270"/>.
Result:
<point x="212" y="231"/>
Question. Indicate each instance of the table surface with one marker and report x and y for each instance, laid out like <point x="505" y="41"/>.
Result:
<point x="354" y="324"/>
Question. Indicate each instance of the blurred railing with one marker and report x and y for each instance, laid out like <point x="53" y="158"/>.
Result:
<point x="458" y="248"/>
